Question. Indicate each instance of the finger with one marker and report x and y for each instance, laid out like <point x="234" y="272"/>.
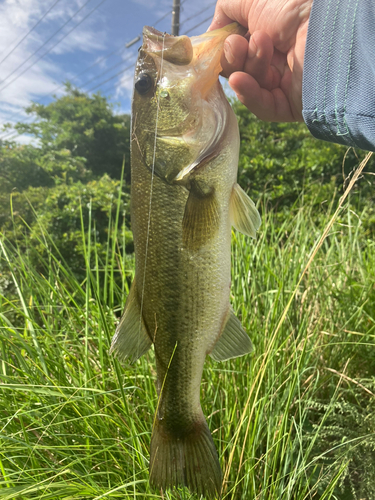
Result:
<point x="234" y="54"/>
<point x="226" y="12"/>
<point x="265" y="104"/>
<point x="220" y="19"/>
<point x="258" y="61"/>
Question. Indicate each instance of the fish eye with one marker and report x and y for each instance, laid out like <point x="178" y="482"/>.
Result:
<point x="143" y="84"/>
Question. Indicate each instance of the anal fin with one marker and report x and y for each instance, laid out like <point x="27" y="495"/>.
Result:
<point x="233" y="342"/>
<point x="131" y="339"/>
<point x="243" y="212"/>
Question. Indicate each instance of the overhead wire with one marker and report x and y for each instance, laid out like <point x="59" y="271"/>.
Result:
<point x="185" y="21"/>
<point x="116" y="50"/>
<point x="111" y="78"/>
<point x="118" y="64"/>
<point x="59" y="41"/>
<point x="106" y="56"/>
<point x="101" y="59"/>
<point x="45" y="43"/>
<point x="129" y="67"/>
<point x="197" y="25"/>
<point x="14" y="114"/>
<point x="53" y="46"/>
<point x="123" y="81"/>
<point x="106" y="71"/>
<point x="30" y="31"/>
<point x="197" y="14"/>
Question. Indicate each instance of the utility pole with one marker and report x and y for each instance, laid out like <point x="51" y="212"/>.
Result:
<point x="176" y="17"/>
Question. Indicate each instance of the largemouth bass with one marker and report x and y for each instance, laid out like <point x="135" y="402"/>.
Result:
<point x="184" y="199"/>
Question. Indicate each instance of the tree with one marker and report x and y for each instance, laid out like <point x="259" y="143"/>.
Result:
<point x="281" y="160"/>
<point x="83" y="127"/>
<point x="50" y="190"/>
<point x="20" y="168"/>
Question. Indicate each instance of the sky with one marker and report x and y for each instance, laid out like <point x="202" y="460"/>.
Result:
<point x="44" y="43"/>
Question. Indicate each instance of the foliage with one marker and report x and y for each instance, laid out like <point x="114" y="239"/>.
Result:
<point x="348" y="427"/>
<point x="295" y="423"/>
<point x="54" y="220"/>
<point x="281" y="160"/>
<point x="21" y="167"/>
<point x="77" y="162"/>
<point x="79" y="127"/>
<point x="291" y="422"/>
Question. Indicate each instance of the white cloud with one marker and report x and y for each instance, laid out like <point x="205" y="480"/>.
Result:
<point x="85" y="40"/>
<point x="17" y="17"/>
<point x="109" y="27"/>
<point x="124" y="87"/>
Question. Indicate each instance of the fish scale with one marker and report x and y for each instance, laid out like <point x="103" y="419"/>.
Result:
<point x="184" y="199"/>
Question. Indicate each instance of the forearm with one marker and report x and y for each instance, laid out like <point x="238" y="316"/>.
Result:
<point x="338" y="91"/>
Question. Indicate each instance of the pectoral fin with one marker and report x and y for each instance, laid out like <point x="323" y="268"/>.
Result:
<point x="243" y="212"/>
<point x="233" y="342"/>
<point x="201" y="218"/>
<point x="131" y="339"/>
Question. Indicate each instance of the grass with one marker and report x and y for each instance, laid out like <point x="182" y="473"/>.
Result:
<point x="294" y="421"/>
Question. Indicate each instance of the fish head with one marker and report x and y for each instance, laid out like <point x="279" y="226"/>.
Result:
<point x="178" y="111"/>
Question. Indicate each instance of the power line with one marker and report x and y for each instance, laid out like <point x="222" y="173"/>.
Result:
<point x="114" y="86"/>
<point x="9" y="136"/>
<point x="92" y="65"/>
<point x="45" y="43"/>
<point x="16" y="113"/>
<point x="112" y="77"/>
<point x="122" y="71"/>
<point x="28" y="33"/>
<point x="118" y="64"/>
<point x="74" y="27"/>
<point x="11" y="132"/>
<point x="53" y="46"/>
<point x="106" y="71"/>
<point x="106" y="56"/>
<point x="197" y="14"/>
<point x="197" y="25"/>
<point x="163" y="17"/>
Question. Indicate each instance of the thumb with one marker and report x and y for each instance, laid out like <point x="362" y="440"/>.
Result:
<point x="219" y="20"/>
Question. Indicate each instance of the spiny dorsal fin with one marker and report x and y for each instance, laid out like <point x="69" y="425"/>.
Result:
<point x="243" y="212"/>
<point x="233" y="342"/>
<point x="201" y="218"/>
<point x="131" y="339"/>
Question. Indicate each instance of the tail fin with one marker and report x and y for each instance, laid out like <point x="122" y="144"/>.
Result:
<point x="190" y="460"/>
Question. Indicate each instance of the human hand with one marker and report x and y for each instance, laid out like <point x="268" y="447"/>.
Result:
<point x="266" y="71"/>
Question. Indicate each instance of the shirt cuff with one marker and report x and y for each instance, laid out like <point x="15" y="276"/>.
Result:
<point x="338" y="90"/>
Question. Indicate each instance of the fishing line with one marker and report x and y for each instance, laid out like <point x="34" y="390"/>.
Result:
<point x="151" y="189"/>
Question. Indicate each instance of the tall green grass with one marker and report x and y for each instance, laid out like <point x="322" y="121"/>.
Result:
<point x="295" y="420"/>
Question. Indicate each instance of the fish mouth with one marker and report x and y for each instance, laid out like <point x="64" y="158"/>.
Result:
<point x="202" y="132"/>
<point x="150" y="32"/>
<point x="175" y="49"/>
<point x="182" y="50"/>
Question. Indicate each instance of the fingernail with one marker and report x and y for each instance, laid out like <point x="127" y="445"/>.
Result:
<point x="228" y="53"/>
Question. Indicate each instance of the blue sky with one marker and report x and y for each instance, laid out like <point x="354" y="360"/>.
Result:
<point x="46" y="42"/>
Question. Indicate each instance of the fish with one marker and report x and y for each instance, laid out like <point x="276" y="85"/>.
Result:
<point x="184" y="200"/>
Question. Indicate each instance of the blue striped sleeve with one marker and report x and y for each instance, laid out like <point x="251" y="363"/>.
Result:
<point x="338" y="92"/>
